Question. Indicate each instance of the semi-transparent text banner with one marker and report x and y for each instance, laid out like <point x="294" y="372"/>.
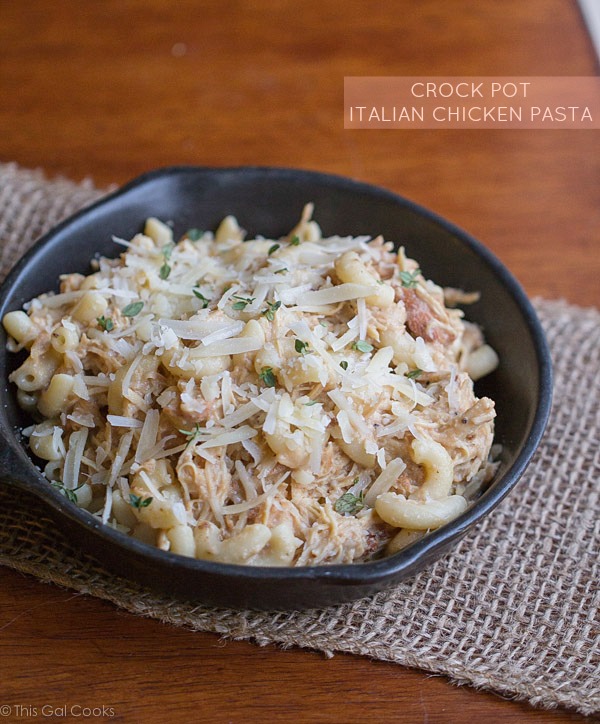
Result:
<point x="543" y="102"/>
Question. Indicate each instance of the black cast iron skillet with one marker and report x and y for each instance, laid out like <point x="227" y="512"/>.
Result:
<point x="268" y="201"/>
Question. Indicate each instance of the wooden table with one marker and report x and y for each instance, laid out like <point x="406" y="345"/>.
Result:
<point x="108" y="90"/>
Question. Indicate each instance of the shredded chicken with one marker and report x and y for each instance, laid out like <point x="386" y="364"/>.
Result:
<point x="239" y="399"/>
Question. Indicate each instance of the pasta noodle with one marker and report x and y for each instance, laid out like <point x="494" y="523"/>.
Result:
<point x="286" y="402"/>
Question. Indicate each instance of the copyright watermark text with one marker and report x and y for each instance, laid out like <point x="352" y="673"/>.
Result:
<point x="76" y="711"/>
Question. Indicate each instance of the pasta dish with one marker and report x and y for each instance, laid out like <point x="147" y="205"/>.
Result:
<point x="279" y="402"/>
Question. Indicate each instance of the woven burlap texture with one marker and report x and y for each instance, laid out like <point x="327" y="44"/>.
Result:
<point x="514" y="608"/>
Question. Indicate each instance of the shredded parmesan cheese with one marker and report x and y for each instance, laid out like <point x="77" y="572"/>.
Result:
<point x="120" y="421"/>
<point x="272" y="397"/>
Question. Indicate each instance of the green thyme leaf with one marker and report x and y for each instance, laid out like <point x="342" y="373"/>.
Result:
<point x="413" y="374"/>
<point x="344" y="364"/>
<point x="267" y="376"/>
<point x="138" y="502"/>
<point x="133" y="309"/>
<point x="269" y="312"/>
<point x="191" y="435"/>
<point x="69" y="493"/>
<point x="201" y="297"/>
<point x="106" y="323"/>
<point x="362" y="346"/>
<point x="349" y="503"/>
<point x="242" y="303"/>
<point x="295" y="240"/>
<point x="300" y="346"/>
<point x="281" y="271"/>
<point x="409" y="279"/>
<point x="193" y="234"/>
<point x="165" y="269"/>
<point x="311" y="403"/>
<point x="273" y="249"/>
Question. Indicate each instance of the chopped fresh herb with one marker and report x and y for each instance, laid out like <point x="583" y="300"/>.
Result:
<point x="69" y="493"/>
<point x="133" y="309"/>
<point x="193" y="234"/>
<point x="269" y="312"/>
<point x="138" y="502"/>
<point x="273" y="249"/>
<point x="106" y="323"/>
<point x="165" y="269"/>
<point x="413" y="374"/>
<point x="362" y="346"/>
<point x="344" y="364"/>
<point x="409" y="279"/>
<point x="242" y="303"/>
<point x="311" y="403"/>
<point x="301" y="347"/>
<point x="201" y="297"/>
<point x="281" y="271"/>
<point x="267" y="376"/>
<point x="295" y="240"/>
<point x="192" y="434"/>
<point x="349" y="503"/>
<point x="323" y="324"/>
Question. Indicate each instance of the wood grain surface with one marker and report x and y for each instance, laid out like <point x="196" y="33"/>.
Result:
<point x="107" y="90"/>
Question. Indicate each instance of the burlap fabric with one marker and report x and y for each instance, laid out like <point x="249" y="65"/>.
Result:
<point x="514" y="608"/>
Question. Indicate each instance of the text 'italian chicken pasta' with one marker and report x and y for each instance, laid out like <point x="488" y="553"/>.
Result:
<point x="286" y="402"/>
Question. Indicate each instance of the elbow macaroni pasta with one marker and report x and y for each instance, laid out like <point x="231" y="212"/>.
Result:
<point x="18" y="325"/>
<point x="297" y="401"/>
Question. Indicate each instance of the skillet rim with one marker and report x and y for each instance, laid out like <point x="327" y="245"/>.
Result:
<point x="390" y="568"/>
